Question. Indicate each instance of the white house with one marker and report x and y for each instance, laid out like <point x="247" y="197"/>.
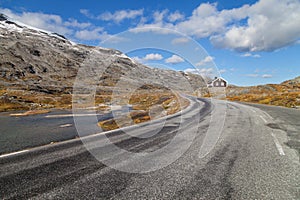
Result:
<point x="218" y="82"/>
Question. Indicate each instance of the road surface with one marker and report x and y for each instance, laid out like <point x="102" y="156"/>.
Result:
<point x="249" y="160"/>
<point x="18" y="133"/>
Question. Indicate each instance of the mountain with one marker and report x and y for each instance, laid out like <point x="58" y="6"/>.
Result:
<point x="286" y="94"/>
<point x="38" y="70"/>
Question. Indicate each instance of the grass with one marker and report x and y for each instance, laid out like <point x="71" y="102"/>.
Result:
<point x="147" y="104"/>
<point x="285" y="95"/>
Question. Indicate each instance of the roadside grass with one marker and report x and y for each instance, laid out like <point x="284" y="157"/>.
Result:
<point x="277" y="95"/>
<point x="147" y="105"/>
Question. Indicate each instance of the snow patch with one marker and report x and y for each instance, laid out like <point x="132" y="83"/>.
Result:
<point x="11" y="27"/>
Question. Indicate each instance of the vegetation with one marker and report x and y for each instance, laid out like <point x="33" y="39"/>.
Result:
<point x="147" y="105"/>
<point x="286" y="94"/>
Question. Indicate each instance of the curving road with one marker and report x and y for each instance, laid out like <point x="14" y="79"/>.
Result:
<point x="242" y="157"/>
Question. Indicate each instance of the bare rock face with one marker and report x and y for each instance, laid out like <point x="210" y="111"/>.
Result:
<point x="36" y="60"/>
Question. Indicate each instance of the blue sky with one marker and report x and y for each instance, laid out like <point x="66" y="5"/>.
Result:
<point x="249" y="42"/>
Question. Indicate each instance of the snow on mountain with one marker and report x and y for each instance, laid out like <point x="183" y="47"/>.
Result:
<point x="13" y="25"/>
<point x="34" y="59"/>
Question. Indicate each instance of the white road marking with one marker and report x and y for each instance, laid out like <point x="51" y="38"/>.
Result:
<point x="278" y="146"/>
<point x="13" y="153"/>
<point x="71" y="115"/>
<point x="263" y="119"/>
<point x="65" y="125"/>
<point x="253" y="110"/>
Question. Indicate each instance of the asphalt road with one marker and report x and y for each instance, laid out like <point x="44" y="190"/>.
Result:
<point x="286" y="119"/>
<point x="18" y="133"/>
<point x="218" y="150"/>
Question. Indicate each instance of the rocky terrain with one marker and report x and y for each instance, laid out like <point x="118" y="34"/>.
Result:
<point x="286" y="94"/>
<point x="38" y="70"/>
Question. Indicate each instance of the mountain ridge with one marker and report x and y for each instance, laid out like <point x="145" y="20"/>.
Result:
<point x="38" y="69"/>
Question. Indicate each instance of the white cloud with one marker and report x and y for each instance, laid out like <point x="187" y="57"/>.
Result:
<point x="95" y="34"/>
<point x="207" y="60"/>
<point x="256" y="75"/>
<point x="176" y="16"/>
<point x="252" y="75"/>
<point x="203" y="71"/>
<point x="48" y="22"/>
<point x="180" y="40"/>
<point x="271" y="24"/>
<point x="153" y="56"/>
<point x="159" y="25"/>
<point x="137" y="59"/>
<point x="54" y="23"/>
<point x="120" y="15"/>
<point x="76" y="24"/>
<point x="158" y="16"/>
<point x="267" y="76"/>
<point x="174" y="59"/>
<point x="148" y="57"/>
<point x="266" y="25"/>
<point x="206" y="20"/>
<point x="86" y="13"/>
<point x="250" y="55"/>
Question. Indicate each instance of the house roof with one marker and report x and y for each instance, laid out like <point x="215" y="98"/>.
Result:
<point x="217" y="78"/>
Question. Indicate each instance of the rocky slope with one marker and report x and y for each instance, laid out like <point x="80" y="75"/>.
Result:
<point x="38" y="69"/>
<point x="286" y="94"/>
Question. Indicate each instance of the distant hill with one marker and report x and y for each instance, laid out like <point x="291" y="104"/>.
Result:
<point x="286" y="94"/>
<point x="38" y="69"/>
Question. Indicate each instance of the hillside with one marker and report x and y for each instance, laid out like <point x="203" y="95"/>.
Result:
<point x="286" y="94"/>
<point x="38" y="70"/>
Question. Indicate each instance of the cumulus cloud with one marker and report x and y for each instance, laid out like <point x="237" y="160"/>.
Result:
<point x="120" y="15"/>
<point x="95" y="34"/>
<point x="174" y="59"/>
<point x="159" y="16"/>
<point x="76" y="24"/>
<point x="180" y="40"/>
<point x="148" y="57"/>
<point x="271" y="24"/>
<point x="266" y="25"/>
<point x="204" y="21"/>
<point x="54" y="23"/>
<point x="203" y="71"/>
<point x="206" y="61"/>
<point x="176" y="16"/>
<point x="137" y="59"/>
<point x="153" y="56"/>
<point x="48" y="22"/>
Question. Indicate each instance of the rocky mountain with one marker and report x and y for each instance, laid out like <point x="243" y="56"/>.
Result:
<point x="286" y="94"/>
<point x="38" y="69"/>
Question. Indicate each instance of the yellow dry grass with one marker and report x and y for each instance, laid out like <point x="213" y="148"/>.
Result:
<point x="278" y="95"/>
<point x="143" y="101"/>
